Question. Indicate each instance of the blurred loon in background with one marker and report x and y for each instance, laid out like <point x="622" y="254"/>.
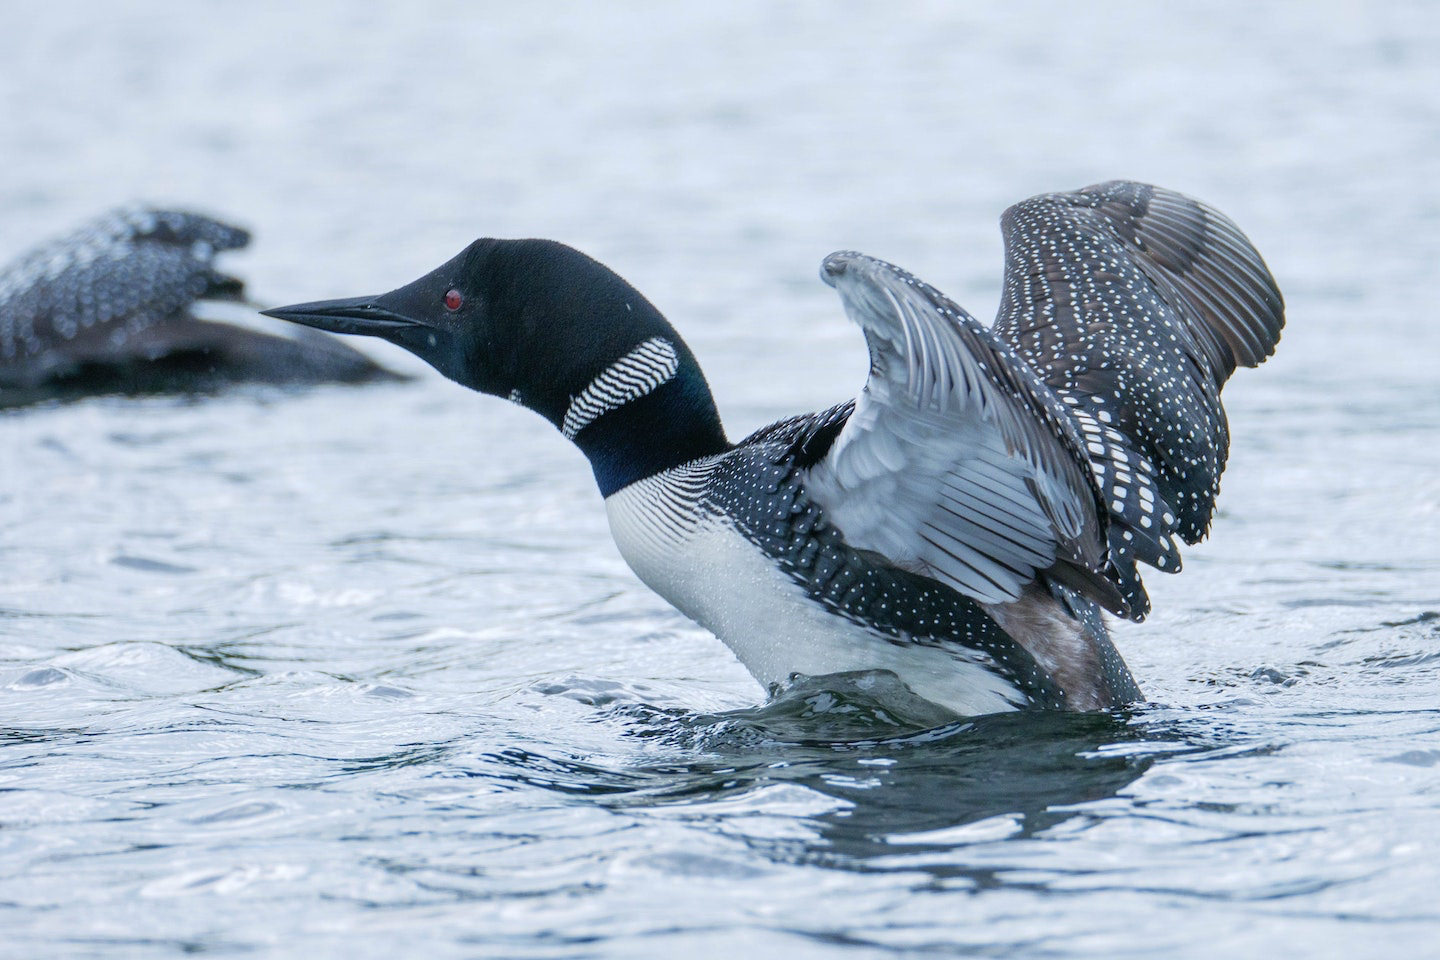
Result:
<point x="965" y="520"/>
<point x="108" y="309"/>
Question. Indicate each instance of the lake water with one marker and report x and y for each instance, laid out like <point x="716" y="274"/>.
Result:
<point x="359" y="672"/>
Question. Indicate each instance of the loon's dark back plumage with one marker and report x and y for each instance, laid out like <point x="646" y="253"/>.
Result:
<point x="107" y="309"/>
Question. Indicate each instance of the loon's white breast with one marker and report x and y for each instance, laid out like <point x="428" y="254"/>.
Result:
<point x="693" y="556"/>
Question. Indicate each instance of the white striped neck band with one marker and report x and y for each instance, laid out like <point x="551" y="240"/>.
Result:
<point x="642" y="371"/>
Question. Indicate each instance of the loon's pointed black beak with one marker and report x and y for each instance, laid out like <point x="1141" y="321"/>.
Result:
<point x="397" y="316"/>
<point x="363" y="315"/>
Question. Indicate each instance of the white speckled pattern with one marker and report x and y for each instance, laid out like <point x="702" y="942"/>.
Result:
<point x="106" y="282"/>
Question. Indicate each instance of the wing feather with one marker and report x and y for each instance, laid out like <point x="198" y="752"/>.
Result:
<point x="957" y="462"/>
<point x="1085" y="431"/>
<point x="1135" y="304"/>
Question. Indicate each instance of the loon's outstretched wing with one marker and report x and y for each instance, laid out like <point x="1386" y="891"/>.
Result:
<point x="1135" y="304"/>
<point x="957" y="462"/>
<point x="109" y="289"/>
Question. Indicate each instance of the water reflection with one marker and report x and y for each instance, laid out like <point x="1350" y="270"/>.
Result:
<point x="890" y="785"/>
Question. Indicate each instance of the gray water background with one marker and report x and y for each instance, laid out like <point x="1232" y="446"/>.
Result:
<point x="358" y="672"/>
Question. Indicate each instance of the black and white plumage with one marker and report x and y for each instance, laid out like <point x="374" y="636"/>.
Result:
<point x="961" y="523"/>
<point x="646" y="368"/>
<point x="1135" y="304"/>
<point x="108" y="309"/>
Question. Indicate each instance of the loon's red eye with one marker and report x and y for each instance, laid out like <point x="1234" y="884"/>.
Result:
<point x="453" y="299"/>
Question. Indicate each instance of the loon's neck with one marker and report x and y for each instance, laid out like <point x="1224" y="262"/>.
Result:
<point x="590" y="354"/>
<point x="673" y="424"/>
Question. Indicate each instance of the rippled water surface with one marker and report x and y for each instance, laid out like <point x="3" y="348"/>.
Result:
<point x="359" y="671"/>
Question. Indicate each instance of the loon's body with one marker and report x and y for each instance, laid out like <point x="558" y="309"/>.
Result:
<point x="108" y="309"/>
<point x="735" y="543"/>
<point x="966" y="519"/>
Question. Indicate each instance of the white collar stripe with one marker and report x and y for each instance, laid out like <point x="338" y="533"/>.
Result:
<point x="641" y="371"/>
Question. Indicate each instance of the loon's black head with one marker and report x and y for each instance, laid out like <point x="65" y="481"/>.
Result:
<point x="549" y="327"/>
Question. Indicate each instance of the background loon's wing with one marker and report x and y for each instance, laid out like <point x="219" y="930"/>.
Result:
<point x="109" y="309"/>
<point x="957" y="462"/>
<point x="84" y="297"/>
<point x="1135" y="304"/>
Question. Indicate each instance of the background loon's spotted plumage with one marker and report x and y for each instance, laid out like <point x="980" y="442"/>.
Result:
<point x="125" y="271"/>
<point x="107" y="308"/>
<point x="965" y="519"/>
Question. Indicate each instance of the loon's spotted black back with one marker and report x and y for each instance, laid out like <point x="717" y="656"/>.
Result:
<point x="963" y="521"/>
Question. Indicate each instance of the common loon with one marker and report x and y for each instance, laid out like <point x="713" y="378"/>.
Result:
<point x="107" y="309"/>
<point x="965" y="520"/>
